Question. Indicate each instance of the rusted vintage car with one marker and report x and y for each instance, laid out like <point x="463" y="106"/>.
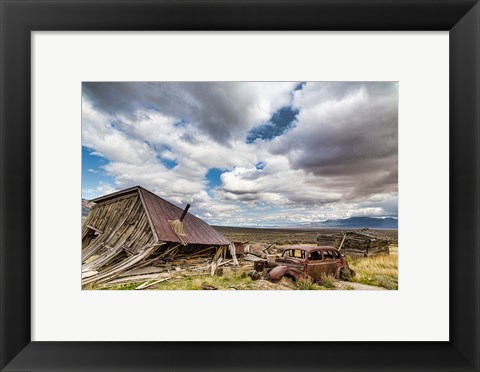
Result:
<point x="313" y="262"/>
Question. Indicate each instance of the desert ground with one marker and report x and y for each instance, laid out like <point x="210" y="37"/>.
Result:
<point x="284" y="236"/>
<point x="372" y="273"/>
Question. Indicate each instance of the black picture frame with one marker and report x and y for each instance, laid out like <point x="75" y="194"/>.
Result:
<point x="18" y="18"/>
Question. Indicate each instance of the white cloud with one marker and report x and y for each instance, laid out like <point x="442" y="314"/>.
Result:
<point x="103" y="188"/>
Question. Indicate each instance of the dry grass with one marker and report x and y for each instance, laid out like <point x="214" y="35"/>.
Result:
<point x="305" y="285"/>
<point x="380" y="271"/>
<point x="232" y="279"/>
<point x="327" y="281"/>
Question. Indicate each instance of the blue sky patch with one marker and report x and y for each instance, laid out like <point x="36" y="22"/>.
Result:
<point x="92" y="172"/>
<point x="299" y="86"/>
<point x="213" y="177"/>
<point x="260" y="165"/>
<point x="164" y="150"/>
<point x="169" y="163"/>
<point x="280" y="122"/>
<point x="181" y="123"/>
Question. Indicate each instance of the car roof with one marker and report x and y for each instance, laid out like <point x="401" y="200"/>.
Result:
<point x="310" y="248"/>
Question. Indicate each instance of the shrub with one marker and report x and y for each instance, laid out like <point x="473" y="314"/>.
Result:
<point x="305" y="285"/>
<point x="327" y="281"/>
<point x="386" y="282"/>
<point x="346" y="274"/>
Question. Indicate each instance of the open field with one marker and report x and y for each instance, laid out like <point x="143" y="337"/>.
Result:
<point x="381" y="271"/>
<point x="378" y="272"/>
<point x="283" y="236"/>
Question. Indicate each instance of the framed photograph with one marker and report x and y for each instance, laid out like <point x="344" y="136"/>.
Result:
<point x="239" y="185"/>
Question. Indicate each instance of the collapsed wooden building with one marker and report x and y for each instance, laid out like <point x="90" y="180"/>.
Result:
<point x="134" y="233"/>
<point x="363" y="242"/>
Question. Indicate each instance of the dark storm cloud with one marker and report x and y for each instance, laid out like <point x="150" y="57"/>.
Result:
<point x="220" y="109"/>
<point x="347" y="131"/>
<point x="379" y="182"/>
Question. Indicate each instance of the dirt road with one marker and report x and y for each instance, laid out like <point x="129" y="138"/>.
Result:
<point x="339" y="284"/>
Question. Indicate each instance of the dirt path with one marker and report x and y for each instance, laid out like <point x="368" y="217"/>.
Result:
<point x="339" y="284"/>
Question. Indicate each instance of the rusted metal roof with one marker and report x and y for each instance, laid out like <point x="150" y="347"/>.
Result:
<point x="159" y="211"/>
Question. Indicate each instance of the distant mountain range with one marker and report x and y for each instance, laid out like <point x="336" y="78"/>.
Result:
<point x="347" y="223"/>
<point x="360" y="222"/>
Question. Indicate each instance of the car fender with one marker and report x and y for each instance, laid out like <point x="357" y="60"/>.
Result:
<point x="337" y="274"/>
<point x="279" y="272"/>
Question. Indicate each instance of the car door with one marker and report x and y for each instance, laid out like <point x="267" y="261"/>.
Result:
<point x="330" y="262"/>
<point x="316" y="265"/>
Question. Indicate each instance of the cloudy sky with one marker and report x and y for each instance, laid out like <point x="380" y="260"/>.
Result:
<point x="247" y="153"/>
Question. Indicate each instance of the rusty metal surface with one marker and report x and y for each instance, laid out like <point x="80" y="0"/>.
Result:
<point x="325" y="264"/>
<point x="159" y="211"/>
<point x="197" y="231"/>
<point x="279" y="272"/>
<point x="276" y="273"/>
<point x="239" y="248"/>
